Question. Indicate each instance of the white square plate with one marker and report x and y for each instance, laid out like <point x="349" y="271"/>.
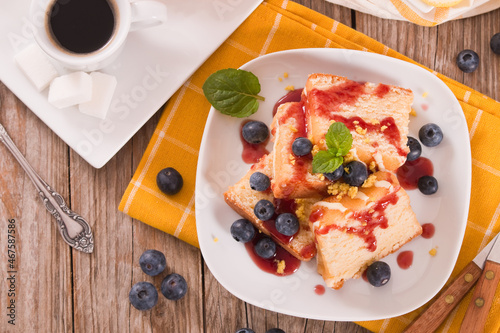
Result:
<point x="220" y="165"/>
<point x="153" y="65"/>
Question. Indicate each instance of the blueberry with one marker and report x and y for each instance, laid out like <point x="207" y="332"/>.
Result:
<point x="259" y="181"/>
<point x="143" y="296"/>
<point x="287" y="224"/>
<point x="245" y="330"/>
<point x="467" y="61"/>
<point x="174" y="287"/>
<point x="415" y="149"/>
<point x="264" y="210"/>
<point x="430" y="135"/>
<point x="255" y="132"/>
<point x="275" y="330"/>
<point x="152" y="262"/>
<point x="356" y="173"/>
<point x="378" y="273"/>
<point x="333" y="176"/>
<point x="495" y="43"/>
<point x="265" y="248"/>
<point x="427" y="185"/>
<point x="242" y="230"/>
<point x="169" y="181"/>
<point x="301" y="146"/>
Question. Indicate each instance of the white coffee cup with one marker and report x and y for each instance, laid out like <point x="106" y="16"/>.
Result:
<point x="128" y="15"/>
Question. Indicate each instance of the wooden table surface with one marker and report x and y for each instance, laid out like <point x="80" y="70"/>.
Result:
<point x="61" y="290"/>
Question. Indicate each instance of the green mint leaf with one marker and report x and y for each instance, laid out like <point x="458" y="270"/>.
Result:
<point x="338" y="139"/>
<point x="233" y="92"/>
<point x="324" y="162"/>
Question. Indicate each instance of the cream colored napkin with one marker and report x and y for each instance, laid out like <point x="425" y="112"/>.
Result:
<point x="417" y="11"/>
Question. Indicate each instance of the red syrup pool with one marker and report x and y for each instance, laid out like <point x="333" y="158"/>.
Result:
<point x="319" y="289"/>
<point x="405" y="259"/>
<point x="270" y="265"/>
<point x="410" y="172"/>
<point x="252" y="153"/>
<point x="292" y="96"/>
<point x="428" y="230"/>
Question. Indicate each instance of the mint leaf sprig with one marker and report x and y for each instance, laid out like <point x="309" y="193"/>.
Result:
<point x="339" y="142"/>
<point x="233" y="92"/>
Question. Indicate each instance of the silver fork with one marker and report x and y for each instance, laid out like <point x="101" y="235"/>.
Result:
<point x="73" y="228"/>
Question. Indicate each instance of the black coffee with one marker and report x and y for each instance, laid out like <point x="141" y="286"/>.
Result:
<point x="81" y="26"/>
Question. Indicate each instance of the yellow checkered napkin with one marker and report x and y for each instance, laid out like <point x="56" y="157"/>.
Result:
<point x="280" y="25"/>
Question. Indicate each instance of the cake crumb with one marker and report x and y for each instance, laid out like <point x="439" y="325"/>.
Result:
<point x="285" y="75"/>
<point x="383" y="128"/>
<point x="374" y="121"/>
<point x="338" y="189"/>
<point x="424" y="95"/>
<point x="355" y="122"/>
<point x="290" y="88"/>
<point x="349" y="157"/>
<point x="433" y="252"/>
<point x="280" y="269"/>
<point x="372" y="166"/>
<point x="361" y="130"/>
<point x="216" y="240"/>
<point x="353" y="190"/>
<point x="370" y="181"/>
<point x="366" y="140"/>
<point x="292" y="159"/>
<point x="293" y="129"/>
<point x="413" y="112"/>
<point x="321" y="177"/>
<point x="315" y="150"/>
<point x="300" y="211"/>
<point x="280" y="79"/>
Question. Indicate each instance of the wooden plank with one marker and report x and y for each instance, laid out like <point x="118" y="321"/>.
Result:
<point x="43" y="262"/>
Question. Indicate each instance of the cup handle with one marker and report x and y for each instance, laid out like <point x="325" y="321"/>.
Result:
<point x="147" y="13"/>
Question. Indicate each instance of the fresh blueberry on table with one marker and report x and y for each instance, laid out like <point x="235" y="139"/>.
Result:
<point x="378" y="273"/>
<point x="152" y="262"/>
<point x="264" y="210"/>
<point x="337" y="174"/>
<point x="275" y="330"/>
<point x="255" y="132"/>
<point x="143" y="296"/>
<point x="169" y="181"/>
<point x="259" y="181"/>
<point x="265" y="248"/>
<point x="242" y="230"/>
<point x="174" y="287"/>
<point x="467" y="61"/>
<point x="495" y="43"/>
<point x="356" y="173"/>
<point x="430" y="135"/>
<point x="415" y="149"/>
<point x="427" y="185"/>
<point x="287" y="224"/>
<point x="245" y="330"/>
<point x="301" y="146"/>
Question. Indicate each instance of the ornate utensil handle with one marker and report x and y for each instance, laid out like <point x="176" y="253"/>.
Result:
<point x="74" y="229"/>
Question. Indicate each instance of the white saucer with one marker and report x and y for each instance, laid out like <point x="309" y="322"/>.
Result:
<point x="153" y="65"/>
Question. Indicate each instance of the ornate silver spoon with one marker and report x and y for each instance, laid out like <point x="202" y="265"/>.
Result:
<point x="74" y="229"/>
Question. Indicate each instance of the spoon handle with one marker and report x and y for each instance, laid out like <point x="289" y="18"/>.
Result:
<point x="73" y="228"/>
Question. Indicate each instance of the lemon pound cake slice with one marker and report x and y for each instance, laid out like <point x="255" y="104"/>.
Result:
<point x="293" y="177"/>
<point x="242" y="198"/>
<point x="352" y="233"/>
<point x="376" y="114"/>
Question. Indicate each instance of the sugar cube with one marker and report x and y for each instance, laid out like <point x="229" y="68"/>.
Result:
<point x="36" y="66"/>
<point x="103" y="88"/>
<point x="70" y="89"/>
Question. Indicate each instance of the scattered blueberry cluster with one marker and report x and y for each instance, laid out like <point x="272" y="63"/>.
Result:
<point x="430" y="135"/>
<point x="468" y="60"/>
<point x="143" y="295"/>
